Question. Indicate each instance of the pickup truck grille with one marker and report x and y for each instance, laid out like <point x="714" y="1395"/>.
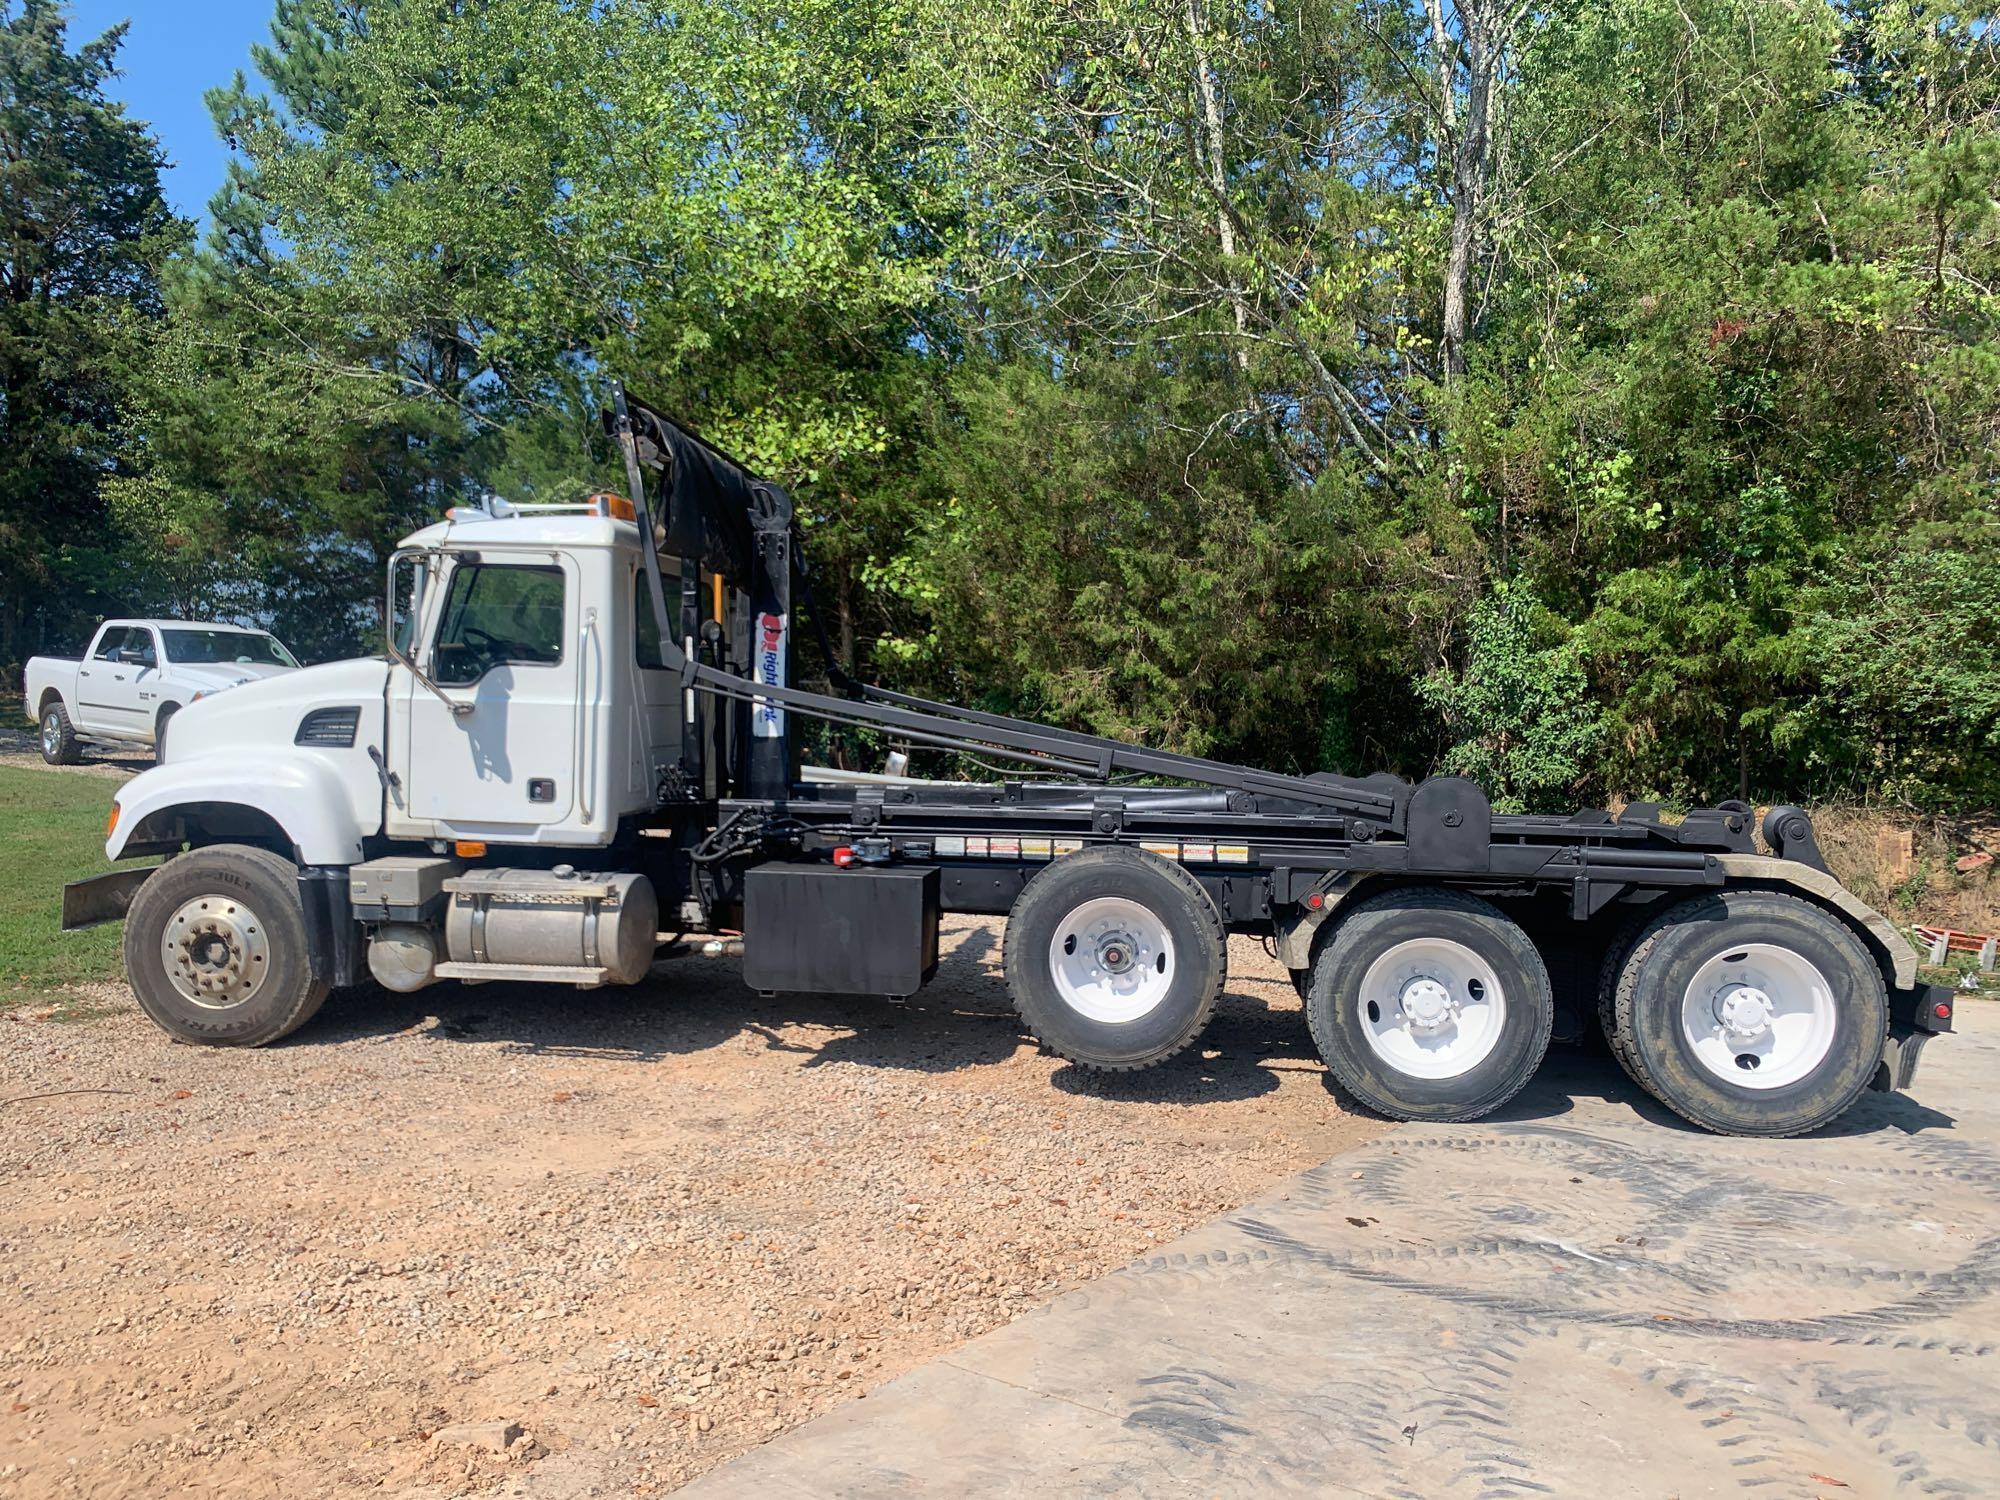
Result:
<point x="329" y="728"/>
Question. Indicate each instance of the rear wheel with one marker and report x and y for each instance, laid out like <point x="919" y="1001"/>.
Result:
<point x="1115" y="958"/>
<point x="215" y="947"/>
<point x="60" y="746"/>
<point x="1750" y="1013"/>
<point x="1429" y="1004"/>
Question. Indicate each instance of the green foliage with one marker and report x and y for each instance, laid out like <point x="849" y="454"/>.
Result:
<point x="82" y="232"/>
<point x="1520" y="708"/>
<point x="1907" y="657"/>
<point x="1086" y="561"/>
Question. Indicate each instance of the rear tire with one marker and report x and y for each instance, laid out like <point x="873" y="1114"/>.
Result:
<point x="1429" y="1004"/>
<point x="1750" y="1013"/>
<point x="215" y="948"/>
<point x="60" y="746"/>
<point x="1115" y="957"/>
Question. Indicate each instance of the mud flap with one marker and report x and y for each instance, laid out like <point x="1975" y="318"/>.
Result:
<point x="102" y="898"/>
<point x="1899" y="1058"/>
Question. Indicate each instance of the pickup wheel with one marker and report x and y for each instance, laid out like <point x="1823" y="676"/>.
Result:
<point x="60" y="746"/>
<point x="215" y="947"/>
<point x="1429" y="1004"/>
<point x="1116" y="958"/>
<point x="1750" y="1013"/>
<point x="160" y="733"/>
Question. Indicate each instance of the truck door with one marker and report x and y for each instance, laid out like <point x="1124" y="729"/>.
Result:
<point x="143" y="655"/>
<point x="107" y="683"/>
<point x="505" y="645"/>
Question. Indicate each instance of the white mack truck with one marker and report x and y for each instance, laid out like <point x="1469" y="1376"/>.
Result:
<point x="581" y="740"/>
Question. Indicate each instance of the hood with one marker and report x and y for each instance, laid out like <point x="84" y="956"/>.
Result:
<point x="213" y="677"/>
<point x="266" y="709"/>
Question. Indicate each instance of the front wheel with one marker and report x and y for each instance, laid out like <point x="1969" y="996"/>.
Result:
<point x="215" y="947"/>
<point x="1429" y="1004"/>
<point x="1116" y="958"/>
<point x="1750" y="1013"/>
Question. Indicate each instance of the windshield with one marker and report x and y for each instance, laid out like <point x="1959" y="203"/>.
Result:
<point x="217" y="647"/>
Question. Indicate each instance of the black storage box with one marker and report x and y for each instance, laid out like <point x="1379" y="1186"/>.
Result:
<point x="864" y="930"/>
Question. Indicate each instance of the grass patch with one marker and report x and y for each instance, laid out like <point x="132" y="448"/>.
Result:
<point x="51" y="831"/>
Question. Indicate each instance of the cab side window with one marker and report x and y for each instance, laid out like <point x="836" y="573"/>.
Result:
<point x="646" y="630"/>
<point x="498" y="615"/>
<point x="112" y="643"/>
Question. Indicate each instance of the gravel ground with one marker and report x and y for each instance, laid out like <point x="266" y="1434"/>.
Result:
<point x="20" y="745"/>
<point x="650" y="1228"/>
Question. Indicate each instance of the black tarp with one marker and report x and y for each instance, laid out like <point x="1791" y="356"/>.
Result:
<point x="708" y="505"/>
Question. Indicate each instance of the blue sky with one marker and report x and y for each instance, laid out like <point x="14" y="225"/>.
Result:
<point x="174" y="51"/>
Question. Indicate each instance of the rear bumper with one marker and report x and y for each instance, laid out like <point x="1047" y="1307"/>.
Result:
<point x="1915" y="1016"/>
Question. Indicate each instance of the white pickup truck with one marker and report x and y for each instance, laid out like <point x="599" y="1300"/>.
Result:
<point x="136" y="676"/>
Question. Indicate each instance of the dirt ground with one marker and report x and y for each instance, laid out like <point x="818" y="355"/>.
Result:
<point x="651" y="1228"/>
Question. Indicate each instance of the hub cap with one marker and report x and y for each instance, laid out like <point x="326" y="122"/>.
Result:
<point x="1431" y="1008"/>
<point x="1112" y="959"/>
<point x="51" y="734"/>
<point x="216" y="952"/>
<point x="1759" y="1016"/>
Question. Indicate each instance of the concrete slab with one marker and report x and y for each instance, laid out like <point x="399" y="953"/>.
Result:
<point x="1581" y="1297"/>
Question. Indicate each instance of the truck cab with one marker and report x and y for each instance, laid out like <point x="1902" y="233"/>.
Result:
<point x="531" y="705"/>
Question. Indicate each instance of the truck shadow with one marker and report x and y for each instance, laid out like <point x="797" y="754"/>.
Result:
<point x="964" y="1019"/>
<point x="1587" y="1071"/>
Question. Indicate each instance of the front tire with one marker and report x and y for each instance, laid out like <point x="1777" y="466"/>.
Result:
<point x="60" y="746"/>
<point x="215" y="948"/>
<point x="1429" y="1004"/>
<point x="1115" y="957"/>
<point x="1750" y="1013"/>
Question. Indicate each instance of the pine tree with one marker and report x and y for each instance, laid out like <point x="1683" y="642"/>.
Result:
<point x="83" y="229"/>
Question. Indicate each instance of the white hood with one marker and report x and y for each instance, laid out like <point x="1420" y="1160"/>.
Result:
<point x="264" y="706"/>
<point x="213" y="677"/>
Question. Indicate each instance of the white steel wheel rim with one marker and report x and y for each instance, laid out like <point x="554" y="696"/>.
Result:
<point x="1112" y="960"/>
<point x="216" y="952"/>
<point x="1431" y="1008"/>
<point x="1759" y="1016"/>
<point x="51" y="733"/>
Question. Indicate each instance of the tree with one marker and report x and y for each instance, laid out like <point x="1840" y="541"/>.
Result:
<point x="449" y="222"/>
<point x="83" y="229"/>
<point x="1520" y="707"/>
